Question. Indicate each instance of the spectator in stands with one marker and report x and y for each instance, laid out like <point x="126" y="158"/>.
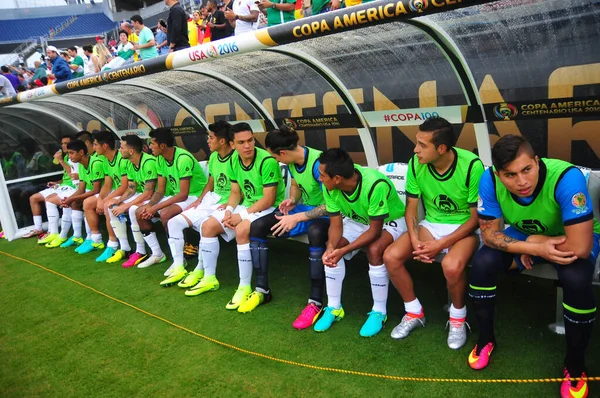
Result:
<point x="90" y="61"/>
<point x="76" y="63"/>
<point x="146" y="44"/>
<point x="322" y="6"/>
<point x="20" y="88"/>
<point x="278" y="12"/>
<point x="21" y="79"/>
<point x="177" y="26"/>
<point x="218" y="23"/>
<point x="60" y="68"/>
<point x="196" y="29"/>
<point x="125" y="53"/>
<point x="162" y="44"/>
<point x="40" y="70"/>
<point x="243" y="16"/>
<point x="102" y="52"/>
<point x="206" y="17"/>
<point x="6" y="88"/>
<point x="131" y="36"/>
<point x="12" y="78"/>
<point x="224" y="6"/>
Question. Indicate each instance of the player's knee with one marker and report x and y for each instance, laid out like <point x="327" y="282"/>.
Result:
<point x="375" y="252"/>
<point x="317" y="235"/>
<point x="210" y="227"/>
<point x="89" y="203"/>
<point x="453" y="267"/>
<point x="576" y="276"/>
<point x="242" y="231"/>
<point x="259" y="228"/>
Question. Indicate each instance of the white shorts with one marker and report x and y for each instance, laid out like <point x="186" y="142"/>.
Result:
<point x="131" y="199"/>
<point x="229" y="234"/>
<point x="353" y="229"/>
<point x="62" y="191"/>
<point x="209" y="204"/>
<point x="182" y="205"/>
<point x="439" y="231"/>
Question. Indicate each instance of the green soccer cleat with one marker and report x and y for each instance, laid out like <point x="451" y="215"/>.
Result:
<point x="119" y="255"/>
<point x="178" y="274"/>
<point x="47" y="239"/>
<point x="255" y="299"/>
<point x="72" y="241"/>
<point x="241" y="295"/>
<point x="191" y="279"/>
<point x="55" y="243"/>
<point x="208" y="284"/>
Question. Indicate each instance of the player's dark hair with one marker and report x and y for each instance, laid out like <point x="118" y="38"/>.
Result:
<point x="84" y="136"/>
<point x="137" y="18"/>
<point x="443" y="132"/>
<point x="238" y="128"/>
<point x="221" y="129"/>
<point x="77" y="146"/>
<point x="163" y="135"/>
<point x="70" y="137"/>
<point x="284" y="138"/>
<point x="134" y="142"/>
<point x="508" y="148"/>
<point x="337" y="162"/>
<point x="105" y="137"/>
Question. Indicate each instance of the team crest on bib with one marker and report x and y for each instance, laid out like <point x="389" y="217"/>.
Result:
<point x="445" y="203"/>
<point x="531" y="227"/>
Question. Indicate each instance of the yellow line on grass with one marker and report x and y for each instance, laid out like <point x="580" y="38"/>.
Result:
<point x="294" y="363"/>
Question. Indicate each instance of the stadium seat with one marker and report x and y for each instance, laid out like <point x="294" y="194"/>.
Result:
<point x="86" y="25"/>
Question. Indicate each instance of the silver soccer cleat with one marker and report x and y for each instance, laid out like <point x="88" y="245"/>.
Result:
<point x="406" y="326"/>
<point x="457" y="335"/>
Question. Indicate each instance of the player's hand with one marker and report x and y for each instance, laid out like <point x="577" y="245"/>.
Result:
<point x="549" y="251"/>
<point x="233" y="221"/>
<point x="285" y="224"/>
<point x="193" y="205"/>
<point x="229" y="14"/>
<point x="99" y="206"/>
<point x="52" y="184"/>
<point x="333" y="257"/>
<point x="58" y="155"/>
<point x="426" y="251"/>
<point x="147" y="212"/>
<point x="226" y="217"/>
<point x="527" y="261"/>
<point x="335" y="4"/>
<point x="111" y="202"/>
<point x="118" y="210"/>
<point x="286" y="206"/>
<point x="66" y="202"/>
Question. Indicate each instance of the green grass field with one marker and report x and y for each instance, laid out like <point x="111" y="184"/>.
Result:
<point x="60" y="339"/>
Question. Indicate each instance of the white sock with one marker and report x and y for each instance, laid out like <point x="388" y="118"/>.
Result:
<point x="52" y="212"/>
<point x="96" y="238"/>
<point x="244" y="264"/>
<point x="120" y="230"/>
<point x="458" y="313"/>
<point x="77" y="218"/>
<point x="379" y="287"/>
<point x="140" y="243"/>
<point x="334" y="279"/>
<point x="113" y="244"/>
<point x="37" y="222"/>
<point x="414" y="307"/>
<point x="88" y="231"/>
<point x="209" y="251"/>
<point x="65" y="223"/>
<point x="152" y="241"/>
<point x="176" y="225"/>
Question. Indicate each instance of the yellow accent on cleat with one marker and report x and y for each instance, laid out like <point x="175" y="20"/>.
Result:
<point x="119" y="255"/>
<point x="241" y="295"/>
<point x="178" y="274"/>
<point x="208" y="284"/>
<point x="191" y="279"/>
<point x="254" y="300"/>
<point x="47" y="239"/>
<point x="56" y="242"/>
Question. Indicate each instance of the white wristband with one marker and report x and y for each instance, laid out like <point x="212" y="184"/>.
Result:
<point x="229" y="208"/>
<point x="244" y="214"/>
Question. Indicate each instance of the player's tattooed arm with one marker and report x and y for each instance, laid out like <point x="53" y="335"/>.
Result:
<point x="155" y="198"/>
<point x="149" y="186"/>
<point x="317" y="212"/>
<point x="415" y="225"/>
<point x="491" y="232"/>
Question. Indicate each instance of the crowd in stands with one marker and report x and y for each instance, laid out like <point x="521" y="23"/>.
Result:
<point x="213" y="21"/>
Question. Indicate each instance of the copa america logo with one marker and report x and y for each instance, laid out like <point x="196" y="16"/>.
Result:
<point x="290" y="123"/>
<point x="505" y="111"/>
<point x="212" y="51"/>
<point x="418" y="5"/>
